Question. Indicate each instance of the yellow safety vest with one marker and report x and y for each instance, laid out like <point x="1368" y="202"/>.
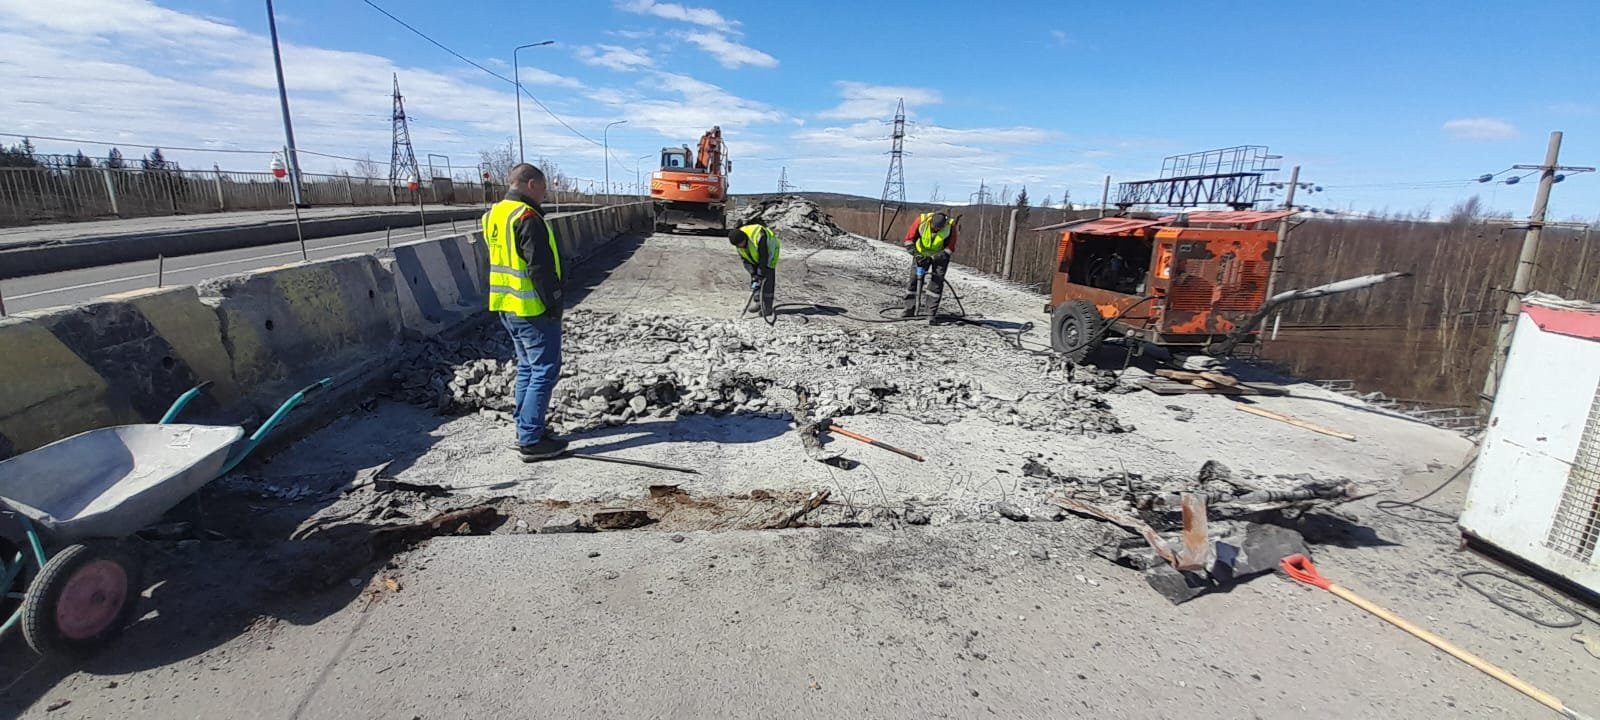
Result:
<point x="511" y="288"/>
<point x="929" y="244"/>
<point x="751" y="252"/>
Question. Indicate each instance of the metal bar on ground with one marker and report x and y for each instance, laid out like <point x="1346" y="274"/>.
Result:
<point x="630" y="461"/>
<point x="875" y="443"/>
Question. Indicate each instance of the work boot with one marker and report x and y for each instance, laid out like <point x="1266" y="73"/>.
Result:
<point x="547" y="448"/>
<point x="908" y="312"/>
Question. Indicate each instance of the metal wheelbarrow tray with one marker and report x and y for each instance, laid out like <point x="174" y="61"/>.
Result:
<point x="73" y="502"/>
<point x="111" y="482"/>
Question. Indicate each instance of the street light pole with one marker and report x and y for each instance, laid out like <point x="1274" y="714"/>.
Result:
<point x="638" y="181"/>
<point x="605" y="144"/>
<point x="293" y="158"/>
<point x="516" y="80"/>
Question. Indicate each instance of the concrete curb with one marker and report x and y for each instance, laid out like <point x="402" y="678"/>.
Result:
<point x="257" y="336"/>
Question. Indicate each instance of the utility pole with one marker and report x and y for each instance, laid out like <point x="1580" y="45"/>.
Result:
<point x="1283" y="228"/>
<point x="402" y="158"/>
<point x="783" y="181"/>
<point x="1522" y="281"/>
<point x="283" y="100"/>
<point x="1105" y="196"/>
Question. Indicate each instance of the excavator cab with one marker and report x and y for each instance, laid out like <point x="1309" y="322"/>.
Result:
<point x="675" y="158"/>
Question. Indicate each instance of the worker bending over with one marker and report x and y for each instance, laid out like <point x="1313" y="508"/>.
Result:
<point x="525" y="290"/>
<point x="930" y="240"/>
<point x="758" y="248"/>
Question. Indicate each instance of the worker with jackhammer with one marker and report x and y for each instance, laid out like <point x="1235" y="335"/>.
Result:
<point x="758" y="248"/>
<point x="930" y="240"/>
<point x="525" y="290"/>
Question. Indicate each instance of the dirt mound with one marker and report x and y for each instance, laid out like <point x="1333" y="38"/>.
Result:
<point x="798" y="222"/>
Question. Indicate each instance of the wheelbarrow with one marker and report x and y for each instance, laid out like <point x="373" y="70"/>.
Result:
<point x="76" y="499"/>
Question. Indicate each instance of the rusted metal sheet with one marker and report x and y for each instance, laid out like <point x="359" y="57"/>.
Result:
<point x="1134" y="524"/>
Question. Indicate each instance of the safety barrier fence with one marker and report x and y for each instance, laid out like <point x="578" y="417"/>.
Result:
<point x="31" y="195"/>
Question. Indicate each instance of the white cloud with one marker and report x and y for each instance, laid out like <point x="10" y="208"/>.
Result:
<point x="616" y="58"/>
<point x="729" y="53"/>
<point x="862" y="101"/>
<point x="1482" y="128"/>
<point x="673" y="11"/>
<point x="117" y="83"/>
<point x="1059" y="38"/>
<point x="694" y="107"/>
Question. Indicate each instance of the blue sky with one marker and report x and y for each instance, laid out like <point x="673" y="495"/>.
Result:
<point x="1380" y="102"/>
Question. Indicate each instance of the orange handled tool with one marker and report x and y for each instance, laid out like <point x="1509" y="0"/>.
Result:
<point x="875" y="443"/>
<point x="1300" y="568"/>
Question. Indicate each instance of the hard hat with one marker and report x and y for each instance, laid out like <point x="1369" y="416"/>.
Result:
<point x="737" y="237"/>
<point x="938" y="221"/>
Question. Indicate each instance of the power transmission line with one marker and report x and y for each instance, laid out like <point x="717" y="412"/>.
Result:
<point x="468" y="61"/>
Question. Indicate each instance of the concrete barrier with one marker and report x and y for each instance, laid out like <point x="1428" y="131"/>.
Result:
<point x="257" y="336"/>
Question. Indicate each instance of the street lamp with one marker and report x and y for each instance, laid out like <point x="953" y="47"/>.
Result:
<point x="605" y="144"/>
<point x="517" y="81"/>
<point x="637" y="181"/>
<point x="291" y="154"/>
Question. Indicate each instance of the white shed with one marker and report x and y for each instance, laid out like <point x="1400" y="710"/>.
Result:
<point x="1535" y="491"/>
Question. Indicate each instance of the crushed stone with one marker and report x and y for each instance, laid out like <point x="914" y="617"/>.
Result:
<point x="798" y="222"/>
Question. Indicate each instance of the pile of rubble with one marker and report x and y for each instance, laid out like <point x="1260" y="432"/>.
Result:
<point x="798" y="222"/>
<point x="1190" y="536"/>
<point x="619" y="368"/>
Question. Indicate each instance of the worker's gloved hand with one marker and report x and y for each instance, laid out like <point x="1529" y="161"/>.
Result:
<point x="922" y="270"/>
<point x="755" y="284"/>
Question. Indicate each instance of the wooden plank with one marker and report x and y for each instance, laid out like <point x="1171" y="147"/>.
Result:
<point x="1220" y="378"/>
<point x="1180" y="375"/>
<point x="1203" y="384"/>
<point x="1313" y="427"/>
<point x="1161" y="386"/>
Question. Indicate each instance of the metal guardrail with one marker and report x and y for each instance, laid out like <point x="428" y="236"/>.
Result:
<point x="31" y="195"/>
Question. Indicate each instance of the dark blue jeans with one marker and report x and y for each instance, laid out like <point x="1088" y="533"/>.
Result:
<point x="537" y="343"/>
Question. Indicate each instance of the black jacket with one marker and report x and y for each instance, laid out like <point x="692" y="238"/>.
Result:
<point x="533" y="245"/>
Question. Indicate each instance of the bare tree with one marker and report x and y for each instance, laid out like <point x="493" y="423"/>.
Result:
<point x="498" y="161"/>
<point x="935" y="196"/>
<point x="368" y="168"/>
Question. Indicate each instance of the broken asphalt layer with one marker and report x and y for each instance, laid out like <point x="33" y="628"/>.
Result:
<point x="972" y="615"/>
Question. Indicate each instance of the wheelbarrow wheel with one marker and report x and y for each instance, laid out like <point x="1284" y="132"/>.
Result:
<point x="82" y="599"/>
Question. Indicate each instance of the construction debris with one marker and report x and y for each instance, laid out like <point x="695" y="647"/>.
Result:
<point x="624" y="368"/>
<point x="1191" y="536"/>
<point x="798" y="222"/>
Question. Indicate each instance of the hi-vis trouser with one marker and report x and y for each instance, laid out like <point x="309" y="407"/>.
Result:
<point x="511" y="288"/>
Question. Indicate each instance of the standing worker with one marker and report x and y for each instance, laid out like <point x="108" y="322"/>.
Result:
<point x="758" y="248"/>
<point x="525" y="289"/>
<point x="930" y="240"/>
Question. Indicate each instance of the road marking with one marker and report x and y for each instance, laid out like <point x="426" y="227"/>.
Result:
<point x="207" y="266"/>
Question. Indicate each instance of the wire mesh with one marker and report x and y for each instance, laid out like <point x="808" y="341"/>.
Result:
<point x="1576" y="527"/>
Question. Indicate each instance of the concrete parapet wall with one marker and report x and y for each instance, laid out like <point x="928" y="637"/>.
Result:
<point x="257" y="336"/>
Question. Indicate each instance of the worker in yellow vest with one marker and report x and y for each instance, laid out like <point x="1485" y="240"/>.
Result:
<point x="525" y="290"/>
<point x="758" y="247"/>
<point x="930" y="240"/>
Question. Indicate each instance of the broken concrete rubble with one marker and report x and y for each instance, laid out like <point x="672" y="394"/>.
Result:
<point x="1196" y="536"/>
<point x="798" y="222"/>
<point x="622" y="368"/>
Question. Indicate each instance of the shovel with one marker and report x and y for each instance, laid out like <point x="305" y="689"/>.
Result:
<point x="1299" y="567"/>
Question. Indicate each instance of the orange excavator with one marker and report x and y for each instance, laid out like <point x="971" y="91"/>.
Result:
<point x="691" y="189"/>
